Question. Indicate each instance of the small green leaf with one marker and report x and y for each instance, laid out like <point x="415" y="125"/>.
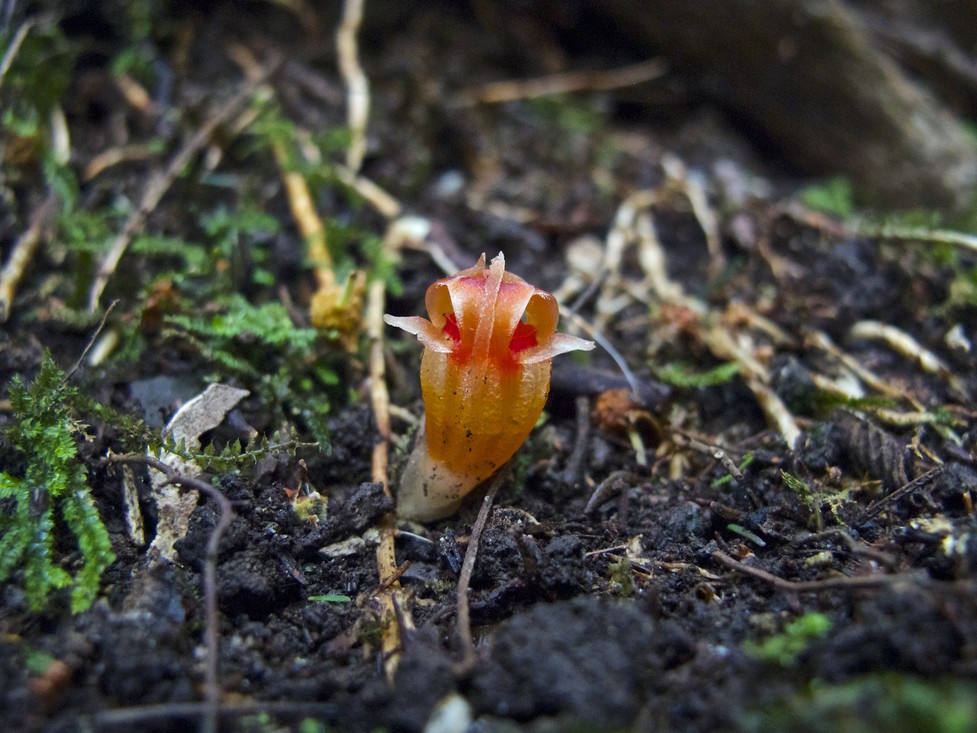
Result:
<point x="330" y="598"/>
<point x="683" y="376"/>
<point x="834" y="196"/>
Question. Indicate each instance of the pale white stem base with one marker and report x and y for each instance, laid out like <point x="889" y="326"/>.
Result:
<point x="430" y="490"/>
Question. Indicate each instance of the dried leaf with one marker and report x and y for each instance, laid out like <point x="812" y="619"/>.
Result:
<point x="204" y="412"/>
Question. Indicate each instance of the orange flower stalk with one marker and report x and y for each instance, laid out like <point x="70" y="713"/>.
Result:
<point x="485" y="375"/>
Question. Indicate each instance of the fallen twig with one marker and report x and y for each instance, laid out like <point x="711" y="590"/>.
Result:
<point x="911" y="234"/>
<point x="335" y="305"/>
<point x="610" y="487"/>
<point x="563" y="83"/>
<point x="573" y="474"/>
<point x="394" y="618"/>
<point x="211" y="708"/>
<point x="823" y="342"/>
<point x="310" y="224"/>
<point x="21" y="255"/>
<point x="813" y="586"/>
<point x="877" y="506"/>
<point x="465" y="576"/>
<point x="680" y="437"/>
<point x="852" y="545"/>
<point x="14" y="46"/>
<point x="357" y="85"/>
<point x="909" y="348"/>
<point x="114" y="156"/>
<point x="391" y="614"/>
<point x="379" y="198"/>
<point x="379" y="395"/>
<point x="92" y="340"/>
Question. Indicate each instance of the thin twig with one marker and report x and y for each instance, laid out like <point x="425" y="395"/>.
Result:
<point x="693" y="190"/>
<point x="573" y="473"/>
<point x="376" y="196"/>
<point x="394" y="578"/>
<point x="14" y="47"/>
<point x="379" y="198"/>
<point x="909" y="348"/>
<point x="21" y="255"/>
<point x="911" y="234"/>
<point x="468" y="566"/>
<point x="379" y="395"/>
<point x="160" y="183"/>
<point x="225" y="514"/>
<point x="814" y="586"/>
<point x="614" y="484"/>
<point x="310" y="224"/>
<point x="715" y="451"/>
<point x="91" y="341"/>
<point x="392" y="614"/>
<point x="877" y="506"/>
<point x="853" y="546"/>
<point x="386" y="553"/>
<point x="357" y="85"/>
<point x="563" y="83"/>
<point x="334" y="305"/>
<point x="114" y="156"/>
<point x="607" y="346"/>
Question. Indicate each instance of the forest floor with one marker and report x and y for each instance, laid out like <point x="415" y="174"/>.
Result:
<point x="751" y="508"/>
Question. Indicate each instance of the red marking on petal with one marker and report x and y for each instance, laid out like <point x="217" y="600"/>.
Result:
<point x="524" y="337"/>
<point x="451" y="327"/>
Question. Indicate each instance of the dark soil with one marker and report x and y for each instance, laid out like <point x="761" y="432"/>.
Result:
<point x="650" y="607"/>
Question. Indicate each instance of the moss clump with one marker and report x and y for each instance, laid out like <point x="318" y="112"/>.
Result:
<point x="888" y="702"/>
<point x="53" y="479"/>
<point x="785" y="648"/>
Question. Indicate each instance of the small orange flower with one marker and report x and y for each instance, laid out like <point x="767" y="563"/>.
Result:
<point x="485" y="375"/>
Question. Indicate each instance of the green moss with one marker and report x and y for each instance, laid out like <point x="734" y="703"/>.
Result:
<point x="784" y="648"/>
<point x="684" y="377"/>
<point x="834" y="196"/>
<point x="261" y="346"/>
<point x="891" y="703"/>
<point x="53" y="479"/>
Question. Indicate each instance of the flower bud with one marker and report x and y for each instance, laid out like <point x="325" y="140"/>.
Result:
<point x="485" y="375"/>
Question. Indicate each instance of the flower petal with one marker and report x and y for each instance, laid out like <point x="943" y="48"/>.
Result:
<point x="425" y="331"/>
<point x="487" y="308"/>
<point x="558" y="343"/>
<point x="543" y="311"/>
<point x="438" y="298"/>
<point x="438" y="302"/>
<point x="510" y="308"/>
